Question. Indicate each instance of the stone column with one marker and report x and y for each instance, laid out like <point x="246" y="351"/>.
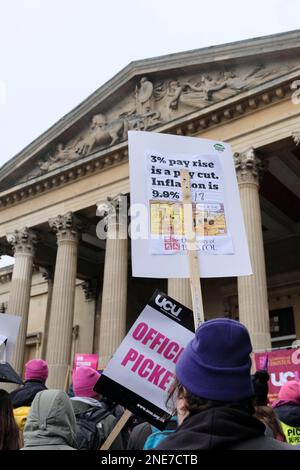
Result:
<point x="86" y="332"/>
<point x="22" y="242"/>
<point x="63" y="298"/>
<point x="114" y="293"/>
<point x="252" y="290"/>
<point x="179" y="289"/>
<point x="47" y="274"/>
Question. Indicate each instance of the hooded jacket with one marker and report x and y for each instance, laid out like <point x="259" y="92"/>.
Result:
<point x="51" y="423"/>
<point x="221" y="428"/>
<point x="24" y="396"/>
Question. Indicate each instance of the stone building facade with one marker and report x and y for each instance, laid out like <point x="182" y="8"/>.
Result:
<point x="75" y="292"/>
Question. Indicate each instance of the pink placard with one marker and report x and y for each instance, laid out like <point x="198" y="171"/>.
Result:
<point x="87" y="360"/>
<point x="282" y="365"/>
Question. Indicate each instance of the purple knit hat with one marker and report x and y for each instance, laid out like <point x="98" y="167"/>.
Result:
<point x="216" y="364"/>
<point x="36" y="369"/>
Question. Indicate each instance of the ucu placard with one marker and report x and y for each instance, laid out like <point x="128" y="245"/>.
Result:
<point x="172" y="309"/>
<point x="167" y="305"/>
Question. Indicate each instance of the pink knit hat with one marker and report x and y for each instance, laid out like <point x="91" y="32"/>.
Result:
<point x="36" y="369"/>
<point x="84" y="380"/>
<point x="290" y="392"/>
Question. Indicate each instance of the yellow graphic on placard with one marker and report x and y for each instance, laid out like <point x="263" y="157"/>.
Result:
<point x="167" y="218"/>
<point x="209" y="218"/>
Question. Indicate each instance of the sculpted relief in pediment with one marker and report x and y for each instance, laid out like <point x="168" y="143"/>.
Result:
<point x="155" y="102"/>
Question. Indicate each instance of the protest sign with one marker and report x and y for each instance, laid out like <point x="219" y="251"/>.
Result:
<point x="282" y="365"/>
<point x="142" y="370"/>
<point x="87" y="360"/>
<point x="9" y="327"/>
<point x="159" y="250"/>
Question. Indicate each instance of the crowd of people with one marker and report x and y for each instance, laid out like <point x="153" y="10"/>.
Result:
<point x="216" y="403"/>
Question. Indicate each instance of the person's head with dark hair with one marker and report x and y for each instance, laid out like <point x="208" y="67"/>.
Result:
<point x="263" y="412"/>
<point x="260" y="384"/>
<point x="213" y="392"/>
<point x="9" y="431"/>
<point x="267" y="415"/>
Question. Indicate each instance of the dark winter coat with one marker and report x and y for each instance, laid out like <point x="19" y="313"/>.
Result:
<point x="221" y="428"/>
<point x="139" y="436"/>
<point x="105" y="426"/>
<point x="24" y="396"/>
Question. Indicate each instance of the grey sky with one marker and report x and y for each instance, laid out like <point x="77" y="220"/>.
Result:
<point x="54" y="53"/>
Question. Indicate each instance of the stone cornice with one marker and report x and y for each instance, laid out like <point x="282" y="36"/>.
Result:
<point x="285" y="43"/>
<point x="96" y="162"/>
<point x="262" y="96"/>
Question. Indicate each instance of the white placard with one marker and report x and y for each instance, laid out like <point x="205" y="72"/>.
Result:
<point x="9" y="327"/>
<point x="122" y="365"/>
<point x="142" y="370"/>
<point x="160" y="251"/>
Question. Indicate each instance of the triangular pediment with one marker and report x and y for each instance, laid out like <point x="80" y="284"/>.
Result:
<point x="149" y="94"/>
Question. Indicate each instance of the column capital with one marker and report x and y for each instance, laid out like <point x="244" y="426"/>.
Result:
<point x="248" y="166"/>
<point x="22" y="241"/>
<point x="89" y="288"/>
<point x="112" y="206"/>
<point x="114" y="211"/>
<point x="66" y="227"/>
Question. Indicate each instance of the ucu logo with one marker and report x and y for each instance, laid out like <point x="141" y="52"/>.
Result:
<point x="167" y="305"/>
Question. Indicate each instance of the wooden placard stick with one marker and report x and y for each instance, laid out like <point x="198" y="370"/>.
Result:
<point x="192" y="249"/>
<point x="116" y="430"/>
<point x="253" y="363"/>
<point x="67" y="379"/>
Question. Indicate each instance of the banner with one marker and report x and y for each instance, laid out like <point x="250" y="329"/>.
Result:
<point x="142" y="370"/>
<point x="282" y="365"/>
<point x="158" y="239"/>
